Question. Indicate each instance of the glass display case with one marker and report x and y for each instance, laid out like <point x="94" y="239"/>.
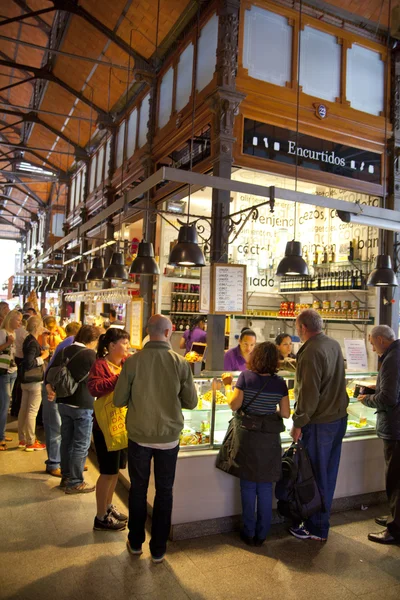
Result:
<point x="206" y="425"/>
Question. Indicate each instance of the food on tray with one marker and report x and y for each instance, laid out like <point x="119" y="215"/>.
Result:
<point x="357" y="425"/>
<point x="220" y="398"/>
<point x="193" y="357"/>
<point x="350" y="392"/>
<point x="291" y="394"/>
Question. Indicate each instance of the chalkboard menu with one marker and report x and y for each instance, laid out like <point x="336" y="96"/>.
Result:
<point x="223" y="289"/>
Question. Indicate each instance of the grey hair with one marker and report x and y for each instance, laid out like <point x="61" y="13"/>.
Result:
<point x="34" y="324"/>
<point x="311" y="320"/>
<point x="157" y="325"/>
<point x="384" y="331"/>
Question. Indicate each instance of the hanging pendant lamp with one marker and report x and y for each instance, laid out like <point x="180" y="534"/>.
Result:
<point x="42" y="287"/>
<point x="293" y="263"/>
<point x="144" y="263"/>
<point x="66" y="282"/>
<point x="57" y="282"/>
<point x="49" y="284"/>
<point x="187" y="252"/>
<point x="116" y="269"/>
<point x="383" y="274"/>
<point x="80" y="274"/>
<point x="96" y="273"/>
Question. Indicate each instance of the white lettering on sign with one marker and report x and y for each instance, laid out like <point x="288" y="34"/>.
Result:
<point x="327" y="157"/>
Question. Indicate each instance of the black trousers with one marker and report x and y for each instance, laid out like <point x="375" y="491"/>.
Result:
<point x="139" y="462"/>
<point x="16" y="393"/>
<point x="392" y="459"/>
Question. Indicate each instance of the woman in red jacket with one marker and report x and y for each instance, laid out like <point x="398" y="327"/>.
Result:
<point x="112" y="351"/>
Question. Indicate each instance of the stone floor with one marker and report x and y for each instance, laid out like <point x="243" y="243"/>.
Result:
<point x="50" y="552"/>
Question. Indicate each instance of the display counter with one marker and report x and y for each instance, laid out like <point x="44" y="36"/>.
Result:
<point x="207" y="500"/>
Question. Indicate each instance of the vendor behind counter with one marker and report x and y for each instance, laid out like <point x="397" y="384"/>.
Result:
<point x="236" y="358"/>
<point x="287" y="360"/>
<point x="195" y="334"/>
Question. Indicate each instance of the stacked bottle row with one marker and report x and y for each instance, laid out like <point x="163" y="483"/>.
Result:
<point x="180" y="323"/>
<point x="189" y="304"/>
<point x="186" y="288"/>
<point x="336" y="280"/>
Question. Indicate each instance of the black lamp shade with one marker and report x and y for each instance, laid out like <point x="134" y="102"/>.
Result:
<point x="43" y="286"/>
<point x="383" y="274"/>
<point x="144" y="263"/>
<point x="116" y="269"/>
<point x="15" y="290"/>
<point x="96" y="273"/>
<point x="80" y="274"/>
<point x="49" y="284"/>
<point x="292" y="263"/>
<point x="66" y="282"/>
<point x="187" y="252"/>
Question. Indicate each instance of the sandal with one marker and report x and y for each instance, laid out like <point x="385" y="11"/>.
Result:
<point x="8" y="439"/>
<point x="3" y="447"/>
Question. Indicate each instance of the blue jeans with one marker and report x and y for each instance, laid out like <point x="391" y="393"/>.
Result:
<point x="52" y="430"/>
<point x="250" y="492"/>
<point x="324" y="446"/>
<point x="139" y="461"/>
<point x="6" y="386"/>
<point x="76" y="429"/>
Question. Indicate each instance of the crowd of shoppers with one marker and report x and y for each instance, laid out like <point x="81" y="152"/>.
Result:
<point x="156" y="383"/>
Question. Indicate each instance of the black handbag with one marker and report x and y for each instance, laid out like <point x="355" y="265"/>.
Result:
<point x="35" y="375"/>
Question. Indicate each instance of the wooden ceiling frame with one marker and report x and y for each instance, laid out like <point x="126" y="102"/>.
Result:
<point x="32" y="215"/>
<point x="45" y="27"/>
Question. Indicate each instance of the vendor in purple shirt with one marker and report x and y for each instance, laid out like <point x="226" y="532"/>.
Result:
<point x="236" y="358"/>
<point x="195" y="335"/>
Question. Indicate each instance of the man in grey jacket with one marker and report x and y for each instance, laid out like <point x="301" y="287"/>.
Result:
<point x="155" y="384"/>
<point x="386" y="401"/>
<point x="320" y="416"/>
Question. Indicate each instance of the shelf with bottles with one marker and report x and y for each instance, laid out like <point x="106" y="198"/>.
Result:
<point x="343" y="280"/>
<point x="183" y="313"/>
<point x="369" y="321"/>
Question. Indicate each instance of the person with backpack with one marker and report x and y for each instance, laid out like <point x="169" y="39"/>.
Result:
<point x="66" y="381"/>
<point x="111" y="354"/>
<point x="320" y="416"/>
<point x="256" y="450"/>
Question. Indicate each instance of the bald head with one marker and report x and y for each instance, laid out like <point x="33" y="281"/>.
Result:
<point x="159" y="328"/>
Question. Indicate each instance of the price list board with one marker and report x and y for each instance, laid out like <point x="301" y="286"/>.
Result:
<point x="136" y="322"/>
<point x="229" y="289"/>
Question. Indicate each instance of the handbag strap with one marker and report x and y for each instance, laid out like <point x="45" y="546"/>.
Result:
<point x="256" y="396"/>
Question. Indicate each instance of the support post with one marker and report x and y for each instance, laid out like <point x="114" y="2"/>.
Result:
<point x="224" y="103"/>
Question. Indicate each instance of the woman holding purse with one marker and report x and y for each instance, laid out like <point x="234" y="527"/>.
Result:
<point x="8" y="369"/>
<point x="112" y="351"/>
<point x="31" y="376"/>
<point x="258" y="455"/>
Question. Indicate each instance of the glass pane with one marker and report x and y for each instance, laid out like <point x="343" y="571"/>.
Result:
<point x="108" y="154"/>
<point x="78" y="189"/>
<point x="165" y="105"/>
<point x="320" y="57"/>
<point x="120" y="144"/>
<point x="365" y="80"/>
<point x="82" y="197"/>
<point x="267" y="48"/>
<point x="72" y="195"/>
<point x="131" y="135"/>
<point x="184" y="78"/>
<point x="207" y="53"/>
<point x="144" y="120"/>
<point x="92" y="173"/>
<point x="100" y="164"/>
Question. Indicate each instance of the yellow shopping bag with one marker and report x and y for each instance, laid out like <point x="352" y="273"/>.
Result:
<point x="111" y="421"/>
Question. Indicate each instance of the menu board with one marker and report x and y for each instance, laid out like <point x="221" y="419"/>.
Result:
<point x="205" y="290"/>
<point x="136" y="322"/>
<point x="229" y="289"/>
<point x="356" y="355"/>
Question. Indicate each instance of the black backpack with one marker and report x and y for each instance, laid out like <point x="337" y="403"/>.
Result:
<point x="61" y="379"/>
<point x="297" y="492"/>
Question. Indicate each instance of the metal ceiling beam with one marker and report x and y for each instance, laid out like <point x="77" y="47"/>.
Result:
<point x="6" y="57"/>
<point x="13" y="214"/>
<point x="15" y="178"/>
<point x="45" y="74"/>
<point x="103" y="63"/>
<point x="60" y="172"/>
<point x="22" y="147"/>
<point x="72" y="7"/>
<point x="22" y="191"/>
<point x="45" y="27"/>
<point x="30" y="15"/>
<point x="7" y="222"/>
<point x="41" y="110"/>
<point x="31" y="117"/>
<point x="32" y="215"/>
<point x="6" y="125"/>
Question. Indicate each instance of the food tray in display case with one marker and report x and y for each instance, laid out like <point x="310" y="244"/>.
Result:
<point x="206" y="425"/>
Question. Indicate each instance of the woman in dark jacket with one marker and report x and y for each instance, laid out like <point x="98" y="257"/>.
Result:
<point x="112" y="352"/>
<point x="76" y="411"/>
<point x="259" y="452"/>
<point x="33" y="356"/>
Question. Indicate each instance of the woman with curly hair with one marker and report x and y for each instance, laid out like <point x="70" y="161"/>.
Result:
<point x="262" y="396"/>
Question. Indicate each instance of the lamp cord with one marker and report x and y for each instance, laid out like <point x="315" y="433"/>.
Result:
<point x="297" y="112"/>
<point x="193" y="106"/>
<point x="386" y="81"/>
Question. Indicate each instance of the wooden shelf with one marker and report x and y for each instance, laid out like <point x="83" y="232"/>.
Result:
<point x="347" y="291"/>
<point x="185" y="294"/>
<point x="369" y="321"/>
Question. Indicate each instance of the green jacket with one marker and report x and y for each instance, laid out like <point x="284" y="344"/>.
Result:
<point x="155" y="384"/>
<point x="320" y="386"/>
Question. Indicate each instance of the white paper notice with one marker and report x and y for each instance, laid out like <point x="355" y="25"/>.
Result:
<point x="229" y="289"/>
<point x="356" y="355"/>
<point x="136" y="323"/>
<point x="205" y="290"/>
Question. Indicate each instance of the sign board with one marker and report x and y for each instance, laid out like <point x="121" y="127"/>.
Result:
<point x="283" y="145"/>
<point x="136" y="322"/>
<point x="356" y="355"/>
<point x="223" y="289"/>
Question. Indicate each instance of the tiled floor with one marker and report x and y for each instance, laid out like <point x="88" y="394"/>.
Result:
<point x="50" y="552"/>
